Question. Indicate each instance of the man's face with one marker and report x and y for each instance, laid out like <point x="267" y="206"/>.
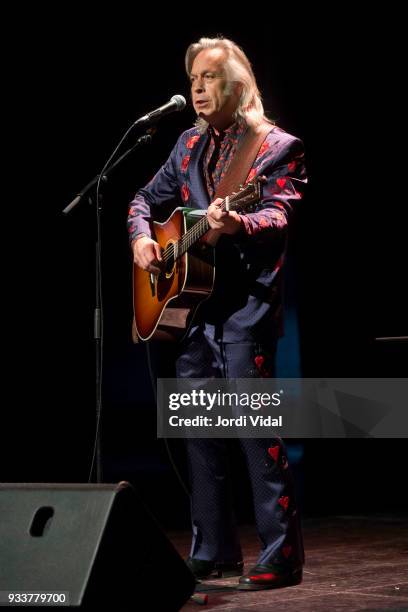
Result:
<point x="213" y="99"/>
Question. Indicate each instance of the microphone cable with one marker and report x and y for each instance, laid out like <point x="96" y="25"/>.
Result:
<point x="98" y="317"/>
<point x="179" y="102"/>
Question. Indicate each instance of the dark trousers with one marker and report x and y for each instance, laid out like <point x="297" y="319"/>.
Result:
<point x="215" y="536"/>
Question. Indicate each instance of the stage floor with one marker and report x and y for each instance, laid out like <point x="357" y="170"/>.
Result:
<point x="352" y="563"/>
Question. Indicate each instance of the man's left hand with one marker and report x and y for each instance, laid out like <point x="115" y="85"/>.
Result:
<point x="224" y="222"/>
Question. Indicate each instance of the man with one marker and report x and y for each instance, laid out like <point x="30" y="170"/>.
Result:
<point x="235" y="333"/>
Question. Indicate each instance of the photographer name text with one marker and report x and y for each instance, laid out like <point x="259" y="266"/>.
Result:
<point x="241" y="421"/>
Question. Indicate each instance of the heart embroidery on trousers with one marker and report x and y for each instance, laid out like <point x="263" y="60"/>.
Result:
<point x="259" y="361"/>
<point x="286" y="550"/>
<point x="274" y="452"/>
<point x="284" y="502"/>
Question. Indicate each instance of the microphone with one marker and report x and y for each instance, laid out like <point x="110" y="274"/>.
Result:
<point x="177" y="103"/>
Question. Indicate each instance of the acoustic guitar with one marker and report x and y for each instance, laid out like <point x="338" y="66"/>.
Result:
<point x="168" y="301"/>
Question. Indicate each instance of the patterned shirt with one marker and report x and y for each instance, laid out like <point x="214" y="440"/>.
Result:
<point x="221" y="149"/>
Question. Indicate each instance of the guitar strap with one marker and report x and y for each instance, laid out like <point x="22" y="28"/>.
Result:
<point x="174" y="321"/>
<point x="243" y="160"/>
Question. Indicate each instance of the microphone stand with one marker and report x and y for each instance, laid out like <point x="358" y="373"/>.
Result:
<point x="98" y="318"/>
<point x="145" y="139"/>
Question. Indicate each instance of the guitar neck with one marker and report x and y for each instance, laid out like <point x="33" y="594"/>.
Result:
<point x="179" y="248"/>
<point x="240" y="200"/>
<point x="200" y="228"/>
<point x="193" y="235"/>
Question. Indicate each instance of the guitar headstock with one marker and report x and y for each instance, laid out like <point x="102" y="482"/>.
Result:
<point x="245" y="200"/>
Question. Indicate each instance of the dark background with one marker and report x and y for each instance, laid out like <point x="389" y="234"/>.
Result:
<point x="78" y="83"/>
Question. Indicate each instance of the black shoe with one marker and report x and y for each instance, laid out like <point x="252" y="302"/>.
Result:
<point x="213" y="569"/>
<point x="270" y="577"/>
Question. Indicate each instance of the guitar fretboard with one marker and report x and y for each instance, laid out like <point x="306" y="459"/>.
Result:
<point x="177" y="249"/>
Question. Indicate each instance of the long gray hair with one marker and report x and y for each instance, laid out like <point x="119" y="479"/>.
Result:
<point x="238" y="70"/>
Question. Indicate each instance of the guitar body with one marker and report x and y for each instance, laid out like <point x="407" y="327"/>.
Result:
<point x="180" y="289"/>
<point x="164" y="305"/>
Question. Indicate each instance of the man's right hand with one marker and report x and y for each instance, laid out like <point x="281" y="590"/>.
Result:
<point x="147" y="254"/>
